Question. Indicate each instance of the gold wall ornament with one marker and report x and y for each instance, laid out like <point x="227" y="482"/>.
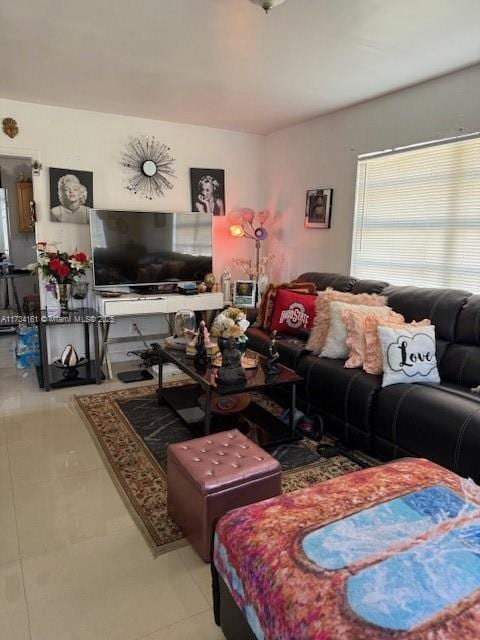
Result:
<point x="10" y="127"/>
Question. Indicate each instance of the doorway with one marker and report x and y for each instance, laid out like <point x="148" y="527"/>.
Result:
<point x="18" y="289"/>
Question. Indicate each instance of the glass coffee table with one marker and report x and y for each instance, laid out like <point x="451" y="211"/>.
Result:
<point x="196" y="403"/>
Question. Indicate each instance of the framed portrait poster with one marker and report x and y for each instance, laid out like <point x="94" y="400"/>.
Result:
<point x="244" y="292"/>
<point x="71" y="195"/>
<point x="208" y="191"/>
<point x="318" y="209"/>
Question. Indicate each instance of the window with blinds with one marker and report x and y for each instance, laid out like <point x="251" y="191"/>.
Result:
<point x="193" y="236"/>
<point x="417" y="216"/>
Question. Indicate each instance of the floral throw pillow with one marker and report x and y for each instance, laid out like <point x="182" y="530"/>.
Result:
<point x="409" y="355"/>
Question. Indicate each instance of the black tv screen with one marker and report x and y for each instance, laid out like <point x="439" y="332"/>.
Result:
<point x="148" y="248"/>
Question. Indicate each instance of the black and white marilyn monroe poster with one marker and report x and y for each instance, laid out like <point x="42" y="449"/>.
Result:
<point x="71" y="195"/>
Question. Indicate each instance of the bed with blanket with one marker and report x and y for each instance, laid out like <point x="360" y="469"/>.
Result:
<point x="387" y="552"/>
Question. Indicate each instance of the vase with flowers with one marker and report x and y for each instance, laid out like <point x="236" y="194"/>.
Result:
<point x="231" y="323"/>
<point x="60" y="268"/>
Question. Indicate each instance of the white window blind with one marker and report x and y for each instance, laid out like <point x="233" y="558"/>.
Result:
<point x="417" y="216"/>
<point x="193" y="238"/>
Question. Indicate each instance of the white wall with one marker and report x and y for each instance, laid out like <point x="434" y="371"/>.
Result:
<point x="275" y="171"/>
<point x="91" y="141"/>
<point x="323" y="153"/>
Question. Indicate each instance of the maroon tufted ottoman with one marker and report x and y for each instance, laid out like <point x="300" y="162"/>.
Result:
<point x="209" y="476"/>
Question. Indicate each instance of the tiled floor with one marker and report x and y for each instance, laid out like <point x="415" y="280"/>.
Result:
<point x="73" y="565"/>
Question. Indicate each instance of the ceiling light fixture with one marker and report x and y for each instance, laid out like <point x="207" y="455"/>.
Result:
<point x="267" y="4"/>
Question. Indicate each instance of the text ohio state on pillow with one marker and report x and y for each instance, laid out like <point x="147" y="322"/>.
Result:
<point x="294" y="312"/>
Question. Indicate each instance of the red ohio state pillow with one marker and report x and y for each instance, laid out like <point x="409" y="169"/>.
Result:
<point x="293" y="312"/>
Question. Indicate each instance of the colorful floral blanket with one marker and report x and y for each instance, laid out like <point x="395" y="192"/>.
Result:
<point x="387" y="552"/>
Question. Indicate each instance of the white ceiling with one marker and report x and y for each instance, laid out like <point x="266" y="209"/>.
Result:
<point x="224" y="63"/>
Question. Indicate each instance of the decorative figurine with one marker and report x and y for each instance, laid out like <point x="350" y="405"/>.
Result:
<point x="69" y="357"/>
<point x="69" y="361"/>
<point x="273" y="356"/>
<point x="209" y="280"/>
<point x="231" y="371"/>
<point x="211" y="347"/>
<point x="227" y="286"/>
<point x="200" y="358"/>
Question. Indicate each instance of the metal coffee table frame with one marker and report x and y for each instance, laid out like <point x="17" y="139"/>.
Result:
<point x="257" y="380"/>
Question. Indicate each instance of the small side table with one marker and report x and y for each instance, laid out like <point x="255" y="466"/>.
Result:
<point x="50" y="376"/>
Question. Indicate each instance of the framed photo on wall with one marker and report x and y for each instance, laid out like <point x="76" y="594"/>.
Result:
<point x="208" y="191"/>
<point x="318" y="209"/>
<point x="71" y="195"/>
<point x="244" y="292"/>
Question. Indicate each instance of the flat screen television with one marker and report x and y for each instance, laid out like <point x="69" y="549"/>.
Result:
<point x="143" y="248"/>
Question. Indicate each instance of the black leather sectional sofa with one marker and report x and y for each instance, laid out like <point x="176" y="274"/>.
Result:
<point x="440" y="422"/>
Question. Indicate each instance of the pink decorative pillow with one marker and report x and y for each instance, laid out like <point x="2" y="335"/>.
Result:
<point x="373" y="362"/>
<point x="355" y="323"/>
<point x="321" y="325"/>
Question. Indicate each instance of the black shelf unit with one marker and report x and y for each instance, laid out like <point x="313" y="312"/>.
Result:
<point x="87" y="375"/>
<point x="51" y="377"/>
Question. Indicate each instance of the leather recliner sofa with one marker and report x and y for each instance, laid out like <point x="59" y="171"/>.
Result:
<point x="440" y="422"/>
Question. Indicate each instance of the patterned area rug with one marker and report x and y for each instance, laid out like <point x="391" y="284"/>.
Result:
<point x="132" y="434"/>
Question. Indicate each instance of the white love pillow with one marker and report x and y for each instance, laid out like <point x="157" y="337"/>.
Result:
<point x="408" y="355"/>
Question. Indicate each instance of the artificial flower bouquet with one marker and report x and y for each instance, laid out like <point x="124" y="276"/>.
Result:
<point x="230" y="323"/>
<point x="59" y="266"/>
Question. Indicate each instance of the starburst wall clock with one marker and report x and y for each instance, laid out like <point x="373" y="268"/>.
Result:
<point x="149" y="165"/>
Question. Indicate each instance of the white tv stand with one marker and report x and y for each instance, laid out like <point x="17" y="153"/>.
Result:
<point x="132" y="304"/>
